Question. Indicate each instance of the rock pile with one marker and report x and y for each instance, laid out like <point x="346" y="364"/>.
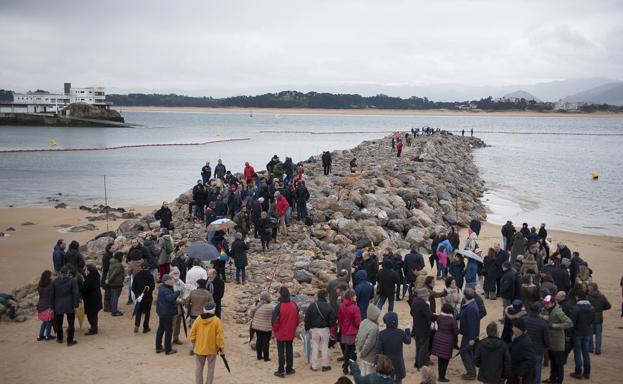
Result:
<point x="389" y="202"/>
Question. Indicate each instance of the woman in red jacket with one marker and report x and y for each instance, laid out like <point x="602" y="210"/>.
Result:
<point x="348" y="320"/>
<point x="282" y="207"/>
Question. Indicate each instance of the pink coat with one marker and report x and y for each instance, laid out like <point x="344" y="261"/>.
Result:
<point x="443" y="258"/>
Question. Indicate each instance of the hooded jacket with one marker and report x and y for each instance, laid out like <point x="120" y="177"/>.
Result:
<point x="522" y="359"/>
<point x="348" y="317"/>
<point x="387" y="280"/>
<point x="390" y="342"/>
<point x="207" y="335"/>
<point x="57" y="257"/>
<point x="285" y="319"/>
<point x="75" y="258"/>
<point x="493" y="359"/>
<point x="363" y="290"/>
<point x="583" y="317"/>
<point x="519" y="245"/>
<point x="365" y="342"/>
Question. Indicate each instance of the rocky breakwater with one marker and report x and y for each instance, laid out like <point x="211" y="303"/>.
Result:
<point x="389" y="202"/>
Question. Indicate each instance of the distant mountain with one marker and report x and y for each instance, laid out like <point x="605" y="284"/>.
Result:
<point x="611" y="93"/>
<point x="521" y="94"/>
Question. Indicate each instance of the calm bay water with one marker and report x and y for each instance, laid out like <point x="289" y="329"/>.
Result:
<point x="533" y="178"/>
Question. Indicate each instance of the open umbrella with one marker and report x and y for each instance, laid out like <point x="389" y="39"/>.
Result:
<point x="225" y="362"/>
<point x="202" y="251"/>
<point x="220" y="225"/>
<point x="470" y="254"/>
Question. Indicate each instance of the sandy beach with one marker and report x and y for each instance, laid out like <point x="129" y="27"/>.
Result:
<point x="117" y="354"/>
<point x="375" y="112"/>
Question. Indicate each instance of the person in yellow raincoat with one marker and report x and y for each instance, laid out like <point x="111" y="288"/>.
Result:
<point x="207" y="335"/>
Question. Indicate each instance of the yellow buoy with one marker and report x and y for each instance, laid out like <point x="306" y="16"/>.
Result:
<point x="595" y="175"/>
<point x="218" y="134"/>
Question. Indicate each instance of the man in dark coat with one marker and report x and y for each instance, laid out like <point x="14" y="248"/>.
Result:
<point x="522" y="355"/>
<point x="538" y="330"/>
<point x="583" y="316"/>
<point x="143" y="283"/>
<point x="105" y="266"/>
<point x="239" y="253"/>
<point x="422" y="319"/>
<point x="58" y="255"/>
<point x="388" y="279"/>
<point x="64" y="299"/>
<point x="371" y="265"/>
<point x="166" y="308"/>
<point x="508" y="291"/>
<point x="302" y="196"/>
<point x="206" y="172"/>
<point x="508" y="231"/>
<point x="220" y="170"/>
<point x="390" y="342"/>
<point x="340" y="283"/>
<point x="469" y="327"/>
<point x="92" y="297"/>
<point x="216" y="286"/>
<point x="492" y="357"/>
<point x="164" y="215"/>
<point x="199" y="200"/>
<point x="413" y="262"/>
<point x="560" y="275"/>
<point x="326" y="162"/>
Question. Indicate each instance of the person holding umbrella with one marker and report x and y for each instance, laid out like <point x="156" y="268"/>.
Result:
<point x="208" y="336"/>
<point x="143" y="284"/>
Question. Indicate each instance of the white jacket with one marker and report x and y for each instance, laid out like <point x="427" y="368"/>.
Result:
<point x="193" y="275"/>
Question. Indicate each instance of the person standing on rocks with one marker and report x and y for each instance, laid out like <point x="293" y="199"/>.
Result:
<point x="220" y="170"/>
<point x="239" y="250"/>
<point x="167" y="248"/>
<point x="248" y="174"/>
<point x="92" y="297"/>
<point x="164" y="215"/>
<point x="398" y="148"/>
<point x="326" y="163"/>
<point x="166" y="308"/>
<point x="344" y="263"/>
<point x="388" y="279"/>
<point x="206" y="172"/>
<point x="74" y="257"/>
<point x="114" y="281"/>
<point x="216" y="286"/>
<point x="261" y="315"/>
<point x="319" y="318"/>
<point x="285" y="320"/>
<point x="393" y="143"/>
<point x="281" y="205"/>
<point x="58" y="255"/>
<point x="145" y="284"/>
<point x="265" y="229"/>
<point x="64" y="299"/>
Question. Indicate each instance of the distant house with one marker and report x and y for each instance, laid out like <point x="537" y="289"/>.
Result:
<point x="567" y="106"/>
<point x="46" y="102"/>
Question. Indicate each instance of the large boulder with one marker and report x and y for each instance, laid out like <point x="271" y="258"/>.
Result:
<point x="97" y="247"/>
<point x="132" y="227"/>
<point x="302" y="276"/>
<point x="416" y="237"/>
<point x="350" y="228"/>
<point x="375" y="234"/>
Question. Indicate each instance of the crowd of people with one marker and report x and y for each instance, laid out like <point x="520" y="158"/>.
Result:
<point x="551" y="304"/>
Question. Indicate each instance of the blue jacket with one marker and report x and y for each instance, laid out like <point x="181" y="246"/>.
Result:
<point x="470" y="321"/>
<point x="57" y="257"/>
<point x="166" y="303"/>
<point x="447" y="245"/>
<point x="363" y="290"/>
<point x="471" y="272"/>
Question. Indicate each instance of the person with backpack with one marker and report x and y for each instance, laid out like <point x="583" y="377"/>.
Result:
<point x="167" y="249"/>
<point x="319" y="318"/>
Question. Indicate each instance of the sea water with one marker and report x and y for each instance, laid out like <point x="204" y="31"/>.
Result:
<point x="529" y="177"/>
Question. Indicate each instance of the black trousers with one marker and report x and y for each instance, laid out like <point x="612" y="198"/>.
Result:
<point x="145" y="310"/>
<point x="327" y="169"/>
<point x="262" y="345"/>
<point x="217" y="311"/>
<point x="349" y="354"/>
<point x="557" y="366"/>
<point x="442" y="366"/>
<point x="107" y="299"/>
<point x="92" y="317"/>
<point x="165" y="328"/>
<point x="71" y="317"/>
<point x="220" y="269"/>
<point x="421" y="350"/>
<point x="286" y="356"/>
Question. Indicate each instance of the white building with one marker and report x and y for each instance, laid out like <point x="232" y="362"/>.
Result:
<point x="45" y="102"/>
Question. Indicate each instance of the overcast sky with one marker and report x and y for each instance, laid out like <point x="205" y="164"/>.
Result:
<point x="231" y="47"/>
